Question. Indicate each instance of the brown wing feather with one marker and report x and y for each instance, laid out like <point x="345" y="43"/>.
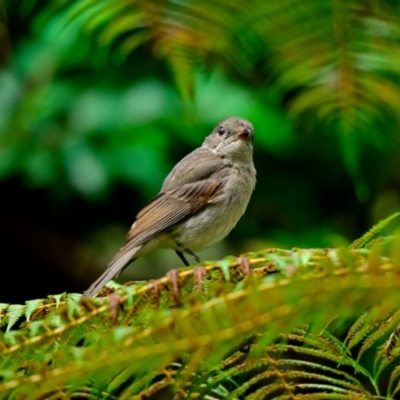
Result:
<point x="167" y="209"/>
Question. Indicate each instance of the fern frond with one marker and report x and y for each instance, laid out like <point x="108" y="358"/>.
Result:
<point x="386" y="327"/>
<point x="158" y="326"/>
<point x="361" y="242"/>
<point x="337" y="57"/>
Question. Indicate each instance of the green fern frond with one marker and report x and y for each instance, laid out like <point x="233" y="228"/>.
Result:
<point x="361" y="242"/>
<point x="250" y="333"/>
<point x="385" y="328"/>
<point x="336" y="57"/>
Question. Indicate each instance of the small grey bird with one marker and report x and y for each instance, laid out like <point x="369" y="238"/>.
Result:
<point x="200" y="202"/>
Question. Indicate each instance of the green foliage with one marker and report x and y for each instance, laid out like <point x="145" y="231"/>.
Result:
<point x="287" y="324"/>
<point x="340" y="57"/>
<point x="361" y="242"/>
<point x="86" y="137"/>
<point x="337" y="62"/>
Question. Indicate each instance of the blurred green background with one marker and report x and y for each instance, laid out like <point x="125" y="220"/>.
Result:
<point x="99" y="99"/>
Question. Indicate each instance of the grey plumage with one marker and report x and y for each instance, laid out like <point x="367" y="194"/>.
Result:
<point x="200" y="201"/>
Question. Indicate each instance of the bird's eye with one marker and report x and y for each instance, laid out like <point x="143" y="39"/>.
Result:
<point x="221" y="130"/>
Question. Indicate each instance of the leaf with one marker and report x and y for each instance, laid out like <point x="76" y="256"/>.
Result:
<point x="359" y="243"/>
<point x="224" y="265"/>
<point x="31" y="306"/>
<point x="14" y="313"/>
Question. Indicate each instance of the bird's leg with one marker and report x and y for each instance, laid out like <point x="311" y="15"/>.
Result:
<point x="245" y="264"/>
<point x="199" y="276"/>
<point x="182" y="257"/>
<point x="195" y="256"/>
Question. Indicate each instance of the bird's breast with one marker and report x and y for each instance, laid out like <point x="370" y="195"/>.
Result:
<point x="217" y="219"/>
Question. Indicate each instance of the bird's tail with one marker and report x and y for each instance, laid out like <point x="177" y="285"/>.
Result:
<point x="115" y="268"/>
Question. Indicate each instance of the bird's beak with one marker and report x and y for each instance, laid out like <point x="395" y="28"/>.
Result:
<point x="245" y="134"/>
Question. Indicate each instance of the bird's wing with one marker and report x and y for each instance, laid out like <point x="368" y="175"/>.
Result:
<point x="169" y="208"/>
<point x="194" y="182"/>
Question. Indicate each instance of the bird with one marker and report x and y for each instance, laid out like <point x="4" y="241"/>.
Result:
<point x="200" y="201"/>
